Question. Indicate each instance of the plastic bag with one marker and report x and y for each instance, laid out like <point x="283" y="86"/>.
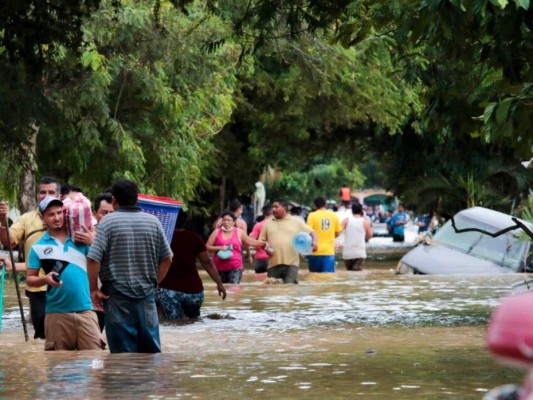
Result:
<point x="77" y="210"/>
<point x="225" y="254"/>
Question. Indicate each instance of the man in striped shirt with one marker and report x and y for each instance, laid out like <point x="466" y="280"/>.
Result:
<point x="131" y="255"/>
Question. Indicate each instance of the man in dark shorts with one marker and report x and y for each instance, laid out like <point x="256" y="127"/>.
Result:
<point x="279" y="232"/>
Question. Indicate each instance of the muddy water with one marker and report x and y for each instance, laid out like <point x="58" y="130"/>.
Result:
<point x="333" y="336"/>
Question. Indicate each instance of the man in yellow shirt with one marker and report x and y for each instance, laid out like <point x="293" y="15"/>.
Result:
<point x="28" y="229"/>
<point x="327" y="226"/>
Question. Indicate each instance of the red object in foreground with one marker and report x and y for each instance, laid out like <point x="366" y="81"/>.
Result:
<point x="510" y="332"/>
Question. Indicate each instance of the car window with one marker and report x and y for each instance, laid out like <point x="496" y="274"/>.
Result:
<point x="507" y="249"/>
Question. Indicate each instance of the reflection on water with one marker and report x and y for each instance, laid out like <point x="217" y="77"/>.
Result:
<point x="333" y="336"/>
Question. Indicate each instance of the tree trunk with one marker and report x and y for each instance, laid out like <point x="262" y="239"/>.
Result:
<point x="27" y="196"/>
<point x="27" y="192"/>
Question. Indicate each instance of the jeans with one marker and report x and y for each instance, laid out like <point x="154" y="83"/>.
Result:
<point x="132" y="325"/>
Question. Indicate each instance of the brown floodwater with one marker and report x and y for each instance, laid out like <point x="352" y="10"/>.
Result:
<point x="333" y="336"/>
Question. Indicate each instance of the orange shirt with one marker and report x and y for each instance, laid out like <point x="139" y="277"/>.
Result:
<point x="346" y="194"/>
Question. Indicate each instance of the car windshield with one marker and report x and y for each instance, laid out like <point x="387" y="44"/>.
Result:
<point x="507" y="250"/>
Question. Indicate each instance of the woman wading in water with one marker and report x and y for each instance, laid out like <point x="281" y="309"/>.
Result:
<point x="226" y="243"/>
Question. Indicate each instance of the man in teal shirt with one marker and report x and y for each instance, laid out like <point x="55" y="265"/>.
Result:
<point x="70" y="323"/>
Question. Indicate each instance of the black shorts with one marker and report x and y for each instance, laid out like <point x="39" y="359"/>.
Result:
<point x="260" y="266"/>
<point x="355" y="264"/>
<point x="398" y="238"/>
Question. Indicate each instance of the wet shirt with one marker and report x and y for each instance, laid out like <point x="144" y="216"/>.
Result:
<point x="260" y="254"/>
<point x="398" y="229"/>
<point x="182" y="275"/>
<point x="326" y="224"/>
<point x="129" y="245"/>
<point x="28" y="228"/>
<point x="235" y="262"/>
<point x="279" y="233"/>
<point x="69" y="260"/>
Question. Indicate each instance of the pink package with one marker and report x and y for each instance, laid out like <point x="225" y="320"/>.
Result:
<point x="77" y="209"/>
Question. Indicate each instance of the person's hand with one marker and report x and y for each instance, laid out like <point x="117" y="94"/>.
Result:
<point x="269" y="250"/>
<point x="221" y="291"/>
<point x="315" y="246"/>
<point x="5" y="261"/>
<point x="4" y="208"/>
<point x="52" y="279"/>
<point x="85" y="237"/>
<point x="97" y="296"/>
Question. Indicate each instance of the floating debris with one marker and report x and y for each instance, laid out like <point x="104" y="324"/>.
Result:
<point x="272" y="281"/>
<point x="219" y="316"/>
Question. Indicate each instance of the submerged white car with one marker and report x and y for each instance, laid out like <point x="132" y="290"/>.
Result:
<point x="472" y="252"/>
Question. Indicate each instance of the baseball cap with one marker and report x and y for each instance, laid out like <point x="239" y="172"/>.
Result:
<point x="47" y="202"/>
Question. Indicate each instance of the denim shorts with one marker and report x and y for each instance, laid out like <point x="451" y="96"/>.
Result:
<point x="175" y="305"/>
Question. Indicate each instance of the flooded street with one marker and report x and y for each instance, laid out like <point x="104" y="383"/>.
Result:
<point x="333" y="336"/>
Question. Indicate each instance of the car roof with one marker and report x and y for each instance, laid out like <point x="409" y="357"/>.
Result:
<point x="491" y="217"/>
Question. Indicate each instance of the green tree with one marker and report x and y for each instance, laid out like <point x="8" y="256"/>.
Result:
<point x="143" y="100"/>
<point x="320" y="176"/>
<point x="32" y="35"/>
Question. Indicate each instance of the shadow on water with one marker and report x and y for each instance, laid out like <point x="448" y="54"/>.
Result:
<point x="333" y="336"/>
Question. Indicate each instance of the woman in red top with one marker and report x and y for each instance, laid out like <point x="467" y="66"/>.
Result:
<point x="228" y="237"/>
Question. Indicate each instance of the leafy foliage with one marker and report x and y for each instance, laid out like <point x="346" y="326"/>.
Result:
<point x="143" y="105"/>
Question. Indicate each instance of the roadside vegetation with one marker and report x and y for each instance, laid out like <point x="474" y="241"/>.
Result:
<point x="197" y="99"/>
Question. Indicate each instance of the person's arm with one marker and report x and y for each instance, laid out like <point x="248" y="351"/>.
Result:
<point x="251" y="242"/>
<point x="19" y="266"/>
<point x="242" y="225"/>
<point x="208" y="265"/>
<point x="338" y="226"/>
<point x="164" y="265"/>
<point x="93" y="269"/>
<point x="344" y="223"/>
<point x="34" y="280"/>
<point x="315" y="240"/>
<point x="368" y="231"/>
<point x="4" y="207"/>
<point x="211" y="243"/>
<point x="16" y="231"/>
